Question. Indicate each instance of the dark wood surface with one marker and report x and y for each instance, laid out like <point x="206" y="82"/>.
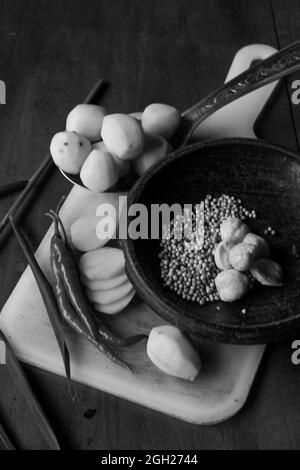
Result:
<point x="52" y="52"/>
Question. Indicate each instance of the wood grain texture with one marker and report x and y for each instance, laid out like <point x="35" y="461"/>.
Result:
<point x="172" y="51"/>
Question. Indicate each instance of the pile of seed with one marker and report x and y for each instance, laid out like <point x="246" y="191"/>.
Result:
<point x="186" y="257"/>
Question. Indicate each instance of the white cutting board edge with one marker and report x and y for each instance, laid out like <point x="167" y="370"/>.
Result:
<point x="215" y="398"/>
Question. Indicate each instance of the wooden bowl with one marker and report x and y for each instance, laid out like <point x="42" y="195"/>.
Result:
<point x="266" y="178"/>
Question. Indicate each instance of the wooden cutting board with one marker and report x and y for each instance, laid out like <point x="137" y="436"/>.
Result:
<point x="228" y="371"/>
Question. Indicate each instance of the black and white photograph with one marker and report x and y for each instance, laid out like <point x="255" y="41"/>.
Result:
<point x="149" y="228"/>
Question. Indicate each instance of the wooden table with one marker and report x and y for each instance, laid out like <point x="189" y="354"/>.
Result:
<point x="52" y="51"/>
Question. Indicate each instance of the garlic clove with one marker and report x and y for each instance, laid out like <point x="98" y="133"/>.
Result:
<point x="260" y="243"/>
<point x="233" y="229"/>
<point x="267" y="272"/>
<point x="231" y="285"/>
<point x="221" y="254"/>
<point x="242" y="255"/>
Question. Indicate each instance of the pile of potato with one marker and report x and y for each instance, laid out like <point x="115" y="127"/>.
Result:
<point x="102" y="147"/>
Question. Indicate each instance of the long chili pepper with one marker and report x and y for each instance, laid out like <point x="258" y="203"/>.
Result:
<point x="111" y="338"/>
<point x="105" y="334"/>
<point x="69" y="274"/>
<point x="72" y="319"/>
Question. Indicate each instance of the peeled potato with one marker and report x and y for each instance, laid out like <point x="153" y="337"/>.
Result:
<point x="123" y="165"/>
<point x="69" y="151"/>
<point x="170" y="351"/>
<point x="86" y="119"/>
<point x="122" y="135"/>
<point x="99" y="172"/>
<point x="137" y="115"/>
<point x="84" y="233"/>
<point x="155" y="149"/>
<point x="115" y="307"/>
<point x="160" y="119"/>
<point x="104" y="284"/>
<point x="103" y="263"/>
<point x="109" y="296"/>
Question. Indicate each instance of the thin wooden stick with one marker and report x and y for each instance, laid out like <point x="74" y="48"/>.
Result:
<point x="21" y="203"/>
<point x="10" y="188"/>
<point x="38" y="416"/>
<point x="5" y="442"/>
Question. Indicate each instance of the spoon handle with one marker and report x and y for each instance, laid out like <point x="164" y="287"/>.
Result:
<point x="278" y="65"/>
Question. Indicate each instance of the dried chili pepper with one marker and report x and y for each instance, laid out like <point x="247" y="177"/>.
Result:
<point x="72" y="319"/>
<point x="69" y="274"/>
<point x="61" y="245"/>
<point x="114" y="340"/>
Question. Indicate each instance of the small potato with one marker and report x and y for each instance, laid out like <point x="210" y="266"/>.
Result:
<point x="69" y="151"/>
<point x="233" y="229"/>
<point x="109" y="296"/>
<point x="103" y="263"/>
<point x="123" y="136"/>
<point x="137" y="115"/>
<point x="86" y="119"/>
<point x="160" y="119"/>
<point x="83" y="233"/>
<point x="99" y="172"/>
<point x="115" y="307"/>
<point x="231" y="285"/>
<point x="104" y="284"/>
<point x="155" y="149"/>
<point x="123" y="165"/>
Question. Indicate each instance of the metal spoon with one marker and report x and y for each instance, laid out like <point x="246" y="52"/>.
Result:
<point x="278" y="65"/>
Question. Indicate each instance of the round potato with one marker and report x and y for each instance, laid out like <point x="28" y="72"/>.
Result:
<point x="160" y="119"/>
<point x="155" y="149"/>
<point x="86" y="119"/>
<point x="99" y="172"/>
<point x="69" y="151"/>
<point x="123" y="165"/>
<point x="122" y="135"/>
